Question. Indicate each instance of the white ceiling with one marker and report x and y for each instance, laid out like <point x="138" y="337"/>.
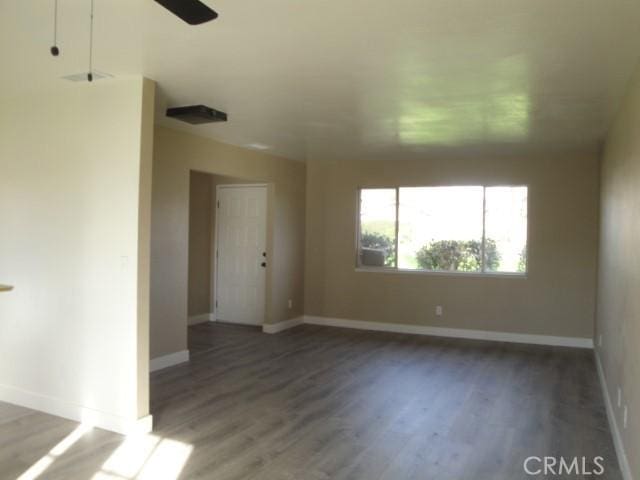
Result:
<point x="355" y="79"/>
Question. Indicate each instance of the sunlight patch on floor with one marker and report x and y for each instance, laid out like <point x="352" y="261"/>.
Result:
<point x="38" y="468"/>
<point x="167" y="461"/>
<point x="107" y="476"/>
<point x="138" y="457"/>
<point x="146" y="457"/>
<point x="130" y="456"/>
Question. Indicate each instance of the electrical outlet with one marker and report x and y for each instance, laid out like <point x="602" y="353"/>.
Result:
<point x="619" y="397"/>
<point x="290" y="304"/>
<point x="625" y="417"/>
<point x="439" y="311"/>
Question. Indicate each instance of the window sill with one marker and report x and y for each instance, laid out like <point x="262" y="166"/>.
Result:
<point x="403" y="271"/>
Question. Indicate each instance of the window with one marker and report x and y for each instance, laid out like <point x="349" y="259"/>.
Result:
<point x="378" y="220"/>
<point x="444" y="229"/>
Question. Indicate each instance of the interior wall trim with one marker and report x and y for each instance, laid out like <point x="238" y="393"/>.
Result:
<point x="202" y="318"/>
<point x="575" y="342"/>
<point x="623" y="461"/>
<point x="65" y="409"/>
<point x="169" y="360"/>
<point x="284" y="325"/>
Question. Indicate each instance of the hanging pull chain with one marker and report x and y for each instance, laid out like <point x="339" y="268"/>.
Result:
<point x="90" y="74"/>
<point x="55" y="51"/>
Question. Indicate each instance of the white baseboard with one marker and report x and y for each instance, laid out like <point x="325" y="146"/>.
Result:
<point x="202" y="318"/>
<point x="65" y="409"/>
<point x="284" y="325"/>
<point x="169" y="360"/>
<point x="452" y="332"/>
<point x="623" y="461"/>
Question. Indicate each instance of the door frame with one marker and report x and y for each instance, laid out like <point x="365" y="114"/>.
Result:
<point x="214" y="270"/>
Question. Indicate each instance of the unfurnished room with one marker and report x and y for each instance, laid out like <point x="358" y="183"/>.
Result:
<point x="330" y="240"/>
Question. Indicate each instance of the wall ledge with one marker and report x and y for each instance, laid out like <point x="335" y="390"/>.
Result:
<point x="618" y="443"/>
<point x="281" y="326"/>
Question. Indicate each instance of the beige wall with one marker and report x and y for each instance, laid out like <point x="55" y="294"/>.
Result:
<point x="557" y="297"/>
<point x="200" y="242"/>
<point x="75" y="210"/>
<point x="175" y="154"/>
<point x="618" y="318"/>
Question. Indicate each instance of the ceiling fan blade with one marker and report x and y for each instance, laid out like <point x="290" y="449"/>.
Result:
<point x="193" y="12"/>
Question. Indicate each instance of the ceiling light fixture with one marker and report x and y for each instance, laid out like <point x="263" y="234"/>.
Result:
<point x="193" y="12"/>
<point x="82" y="77"/>
<point x="55" y="51"/>
<point x="90" y="74"/>
<point x="196" y="114"/>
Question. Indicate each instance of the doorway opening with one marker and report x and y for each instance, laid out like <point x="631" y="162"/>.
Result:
<point x="228" y="250"/>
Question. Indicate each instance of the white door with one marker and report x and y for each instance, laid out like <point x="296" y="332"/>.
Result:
<point x="241" y="225"/>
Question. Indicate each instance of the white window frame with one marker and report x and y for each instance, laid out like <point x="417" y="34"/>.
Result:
<point x="395" y="269"/>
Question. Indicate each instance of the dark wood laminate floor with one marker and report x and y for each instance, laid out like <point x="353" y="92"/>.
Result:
<point x="323" y="403"/>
